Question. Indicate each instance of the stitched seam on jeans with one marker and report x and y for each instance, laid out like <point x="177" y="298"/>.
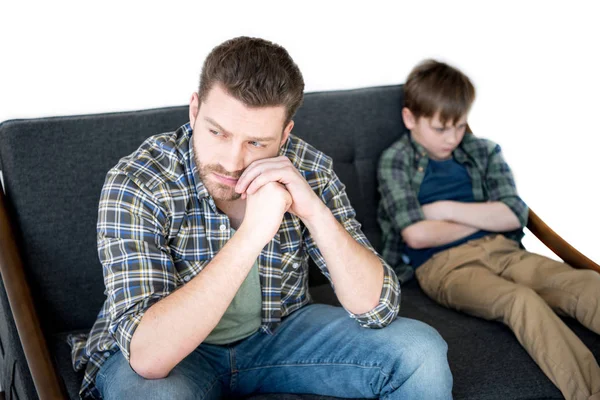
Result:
<point x="312" y="364"/>
<point x="309" y="364"/>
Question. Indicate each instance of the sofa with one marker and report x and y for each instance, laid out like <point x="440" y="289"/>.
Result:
<point x="53" y="170"/>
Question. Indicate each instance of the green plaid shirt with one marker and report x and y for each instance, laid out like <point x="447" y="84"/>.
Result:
<point x="401" y="171"/>
<point x="158" y="227"/>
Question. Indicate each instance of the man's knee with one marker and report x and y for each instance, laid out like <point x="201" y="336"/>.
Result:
<point x="413" y="344"/>
<point x="421" y="354"/>
<point x="119" y="381"/>
<point x="420" y="337"/>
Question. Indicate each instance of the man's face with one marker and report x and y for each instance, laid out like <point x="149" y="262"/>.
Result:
<point x="228" y="136"/>
<point x="438" y="140"/>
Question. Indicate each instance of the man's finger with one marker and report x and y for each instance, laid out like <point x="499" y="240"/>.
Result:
<point x="257" y="168"/>
<point x="272" y="175"/>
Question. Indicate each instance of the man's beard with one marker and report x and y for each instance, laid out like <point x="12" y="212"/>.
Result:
<point x="218" y="190"/>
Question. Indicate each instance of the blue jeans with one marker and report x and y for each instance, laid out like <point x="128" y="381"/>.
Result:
<point x="317" y="350"/>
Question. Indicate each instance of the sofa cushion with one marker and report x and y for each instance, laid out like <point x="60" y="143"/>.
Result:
<point x="53" y="171"/>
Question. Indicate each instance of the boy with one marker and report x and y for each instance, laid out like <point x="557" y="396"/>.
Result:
<point x="450" y="212"/>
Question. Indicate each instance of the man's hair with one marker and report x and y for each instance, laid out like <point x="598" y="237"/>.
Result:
<point x="256" y="72"/>
<point x="434" y="87"/>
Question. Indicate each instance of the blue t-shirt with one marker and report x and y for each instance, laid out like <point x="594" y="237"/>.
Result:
<point x="443" y="180"/>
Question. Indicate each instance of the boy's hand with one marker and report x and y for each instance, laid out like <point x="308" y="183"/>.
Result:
<point x="305" y="203"/>
<point x="264" y="212"/>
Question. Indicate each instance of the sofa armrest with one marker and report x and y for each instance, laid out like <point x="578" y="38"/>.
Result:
<point x="45" y="377"/>
<point x="558" y="245"/>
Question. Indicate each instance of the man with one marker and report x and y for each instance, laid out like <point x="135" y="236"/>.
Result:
<point x="450" y="211"/>
<point x="204" y="235"/>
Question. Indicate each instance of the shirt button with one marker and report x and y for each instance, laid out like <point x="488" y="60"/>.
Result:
<point x="106" y="354"/>
<point x="211" y="202"/>
<point x="187" y="278"/>
<point x="222" y="227"/>
<point x="295" y="265"/>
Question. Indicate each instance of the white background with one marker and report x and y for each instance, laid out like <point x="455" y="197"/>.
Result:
<point x="535" y="66"/>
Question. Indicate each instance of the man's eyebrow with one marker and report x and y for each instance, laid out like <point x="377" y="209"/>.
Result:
<point x="216" y="125"/>
<point x="261" y="139"/>
<point x="252" y="138"/>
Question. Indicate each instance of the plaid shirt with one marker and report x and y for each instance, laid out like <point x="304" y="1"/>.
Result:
<point x="401" y="171"/>
<point x="158" y="227"/>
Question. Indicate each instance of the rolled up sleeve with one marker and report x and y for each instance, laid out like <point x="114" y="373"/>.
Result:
<point x="137" y="267"/>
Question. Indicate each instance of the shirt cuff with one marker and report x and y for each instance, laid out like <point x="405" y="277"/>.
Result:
<point x="389" y="303"/>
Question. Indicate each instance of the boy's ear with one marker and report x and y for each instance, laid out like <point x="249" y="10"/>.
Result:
<point x="409" y="119"/>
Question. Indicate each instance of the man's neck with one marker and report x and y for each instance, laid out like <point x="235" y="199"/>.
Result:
<point x="235" y="210"/>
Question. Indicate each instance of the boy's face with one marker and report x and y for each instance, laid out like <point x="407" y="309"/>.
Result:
<point x="438" y="140"/>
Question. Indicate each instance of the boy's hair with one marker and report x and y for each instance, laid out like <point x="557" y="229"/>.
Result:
<point x="434" y="87"/>
<point x="256" y="72"/>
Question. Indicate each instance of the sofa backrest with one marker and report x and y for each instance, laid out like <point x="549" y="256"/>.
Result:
<point x="54" y="168"/>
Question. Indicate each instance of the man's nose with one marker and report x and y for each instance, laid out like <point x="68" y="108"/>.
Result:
<point x="233" y="159"/>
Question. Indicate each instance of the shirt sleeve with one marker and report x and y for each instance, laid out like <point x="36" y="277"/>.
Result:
<point x="138" y="269"/>
<point x="398" y="198"/>
<point x="501" y="185"/>
<point x="335" y="197"/>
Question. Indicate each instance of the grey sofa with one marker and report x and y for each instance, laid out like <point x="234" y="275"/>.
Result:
<point x="53" y="170"/>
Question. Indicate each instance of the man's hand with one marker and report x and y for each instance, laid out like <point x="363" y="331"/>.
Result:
<point x="305" y="203"/>
<point x="264" y="211"/>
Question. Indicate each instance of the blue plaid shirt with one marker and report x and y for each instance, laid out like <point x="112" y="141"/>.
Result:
<point x="158" y="227"/>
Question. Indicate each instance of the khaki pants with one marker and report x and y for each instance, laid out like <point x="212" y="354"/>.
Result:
<point x="493" y="278"/>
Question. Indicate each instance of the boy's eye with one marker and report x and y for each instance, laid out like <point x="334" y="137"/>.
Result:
<point x="214" y="132"/>
<point x="439" y="130"/>
<point x="255" y="144"/>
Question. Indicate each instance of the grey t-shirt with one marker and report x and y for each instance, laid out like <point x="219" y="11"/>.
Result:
<point x="242" y="318"/>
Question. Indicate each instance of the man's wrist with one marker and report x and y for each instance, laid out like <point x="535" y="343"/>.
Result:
<point x="321" y="213"/>
<point x="247" y="240"/>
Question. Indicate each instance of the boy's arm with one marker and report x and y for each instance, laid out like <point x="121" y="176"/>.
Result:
<point x="504" y="210"/>
<point x="430" y="233"/>
<point x="492" y="216"/>
<point x="401" y="204"/>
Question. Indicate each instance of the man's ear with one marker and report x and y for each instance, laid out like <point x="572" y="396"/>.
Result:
<point x="194" y="108"/>
<point x="409" y="119"/>
<point x="286" y="133"/>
